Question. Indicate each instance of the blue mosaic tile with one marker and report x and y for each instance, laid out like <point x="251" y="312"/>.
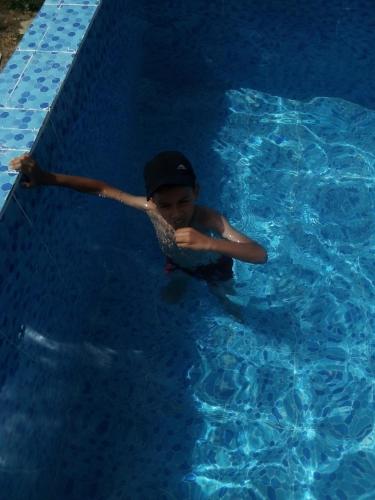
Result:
<point x="69" y="28"/>
<point x="21" y="119"/>
<point x="11" y="75"/>
<point x="43" y="22"/>
<point x="39" y="86"/>
<point x="17" y="139"/>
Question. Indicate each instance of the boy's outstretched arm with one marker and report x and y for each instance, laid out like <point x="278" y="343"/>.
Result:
<point x="35" y="176"/>
<point x="234" y="244"/>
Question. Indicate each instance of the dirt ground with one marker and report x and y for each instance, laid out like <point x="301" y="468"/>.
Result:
<point x="13" y="24"/>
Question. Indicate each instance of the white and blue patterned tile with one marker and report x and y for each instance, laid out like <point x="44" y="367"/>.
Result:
<point x="70" y="25"/>
<point x="11" y="75"/>
<point x="17" y="139"/>
<point x="14" y="119"/>
<point x="42" y="23"/>
<point x="38" y="88"/>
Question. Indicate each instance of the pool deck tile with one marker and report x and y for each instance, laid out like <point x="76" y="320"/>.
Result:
<point x="11" y="75"/>
<point x="42" y="23"/>
<point x="37" y="89"/>
<point x="21" y="119"/>
<point x="17" y="139"/>
<point x="69" y="27"/>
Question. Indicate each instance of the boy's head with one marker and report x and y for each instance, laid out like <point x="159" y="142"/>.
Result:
<point x="171" y="184"/>
<point x="168" y="168"/>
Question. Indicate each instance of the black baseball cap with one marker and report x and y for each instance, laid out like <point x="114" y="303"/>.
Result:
<point x="168" y="168"/>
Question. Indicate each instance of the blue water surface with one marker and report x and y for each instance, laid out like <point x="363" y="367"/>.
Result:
<point x="284" y="393"/>
<point x="269" y="396"/>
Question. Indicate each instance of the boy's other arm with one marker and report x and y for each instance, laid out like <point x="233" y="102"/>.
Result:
<point x="234" y="244"/>
<point x="35" y="176"/>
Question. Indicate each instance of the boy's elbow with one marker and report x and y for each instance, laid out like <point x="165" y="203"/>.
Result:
<point x="102" y="189"/>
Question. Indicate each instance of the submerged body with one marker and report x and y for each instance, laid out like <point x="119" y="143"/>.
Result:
<point x="210" y="266"/>
<point x="183" y="257"/>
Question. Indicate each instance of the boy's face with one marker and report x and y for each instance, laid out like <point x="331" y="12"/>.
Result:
<point x="176" y="204"/>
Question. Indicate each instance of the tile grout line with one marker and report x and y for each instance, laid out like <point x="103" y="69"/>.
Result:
<point x="6" y="108"/>
<point x="13" y="149"/>
<point x="20" y="129"/>
<point x="25" y="109"/>
<point x="19" y="78"/>
<point x="41" y="51"/>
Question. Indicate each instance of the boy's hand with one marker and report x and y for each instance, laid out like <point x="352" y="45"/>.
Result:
<point x="187" y="237"/>
<point x="25" y="164"/>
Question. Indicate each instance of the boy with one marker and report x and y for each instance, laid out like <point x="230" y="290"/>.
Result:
<point x="196" y="240"/>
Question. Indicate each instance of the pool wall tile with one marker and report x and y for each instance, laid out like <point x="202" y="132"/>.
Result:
<point x="34" y="75"/>
<point x="43" y="23"/>
<point x="21" y="119"/>
<point x="11" y="75"/>
<point x="38" y="86"/>
<point x="17" y="139"/>
<point x="68" y="28"/>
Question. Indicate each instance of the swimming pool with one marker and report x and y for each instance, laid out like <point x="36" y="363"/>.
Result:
<point x="107" y="392"/>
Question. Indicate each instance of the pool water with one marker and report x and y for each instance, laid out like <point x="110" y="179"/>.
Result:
<point x="283" y="395"/>
<point x="276" y="403"/>
<point x="272" y="398"/>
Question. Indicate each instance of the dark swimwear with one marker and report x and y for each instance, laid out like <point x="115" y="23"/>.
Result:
<point x="221" y="270"/>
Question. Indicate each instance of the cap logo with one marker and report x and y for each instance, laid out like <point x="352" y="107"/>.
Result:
<point x="181" y="167"/>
